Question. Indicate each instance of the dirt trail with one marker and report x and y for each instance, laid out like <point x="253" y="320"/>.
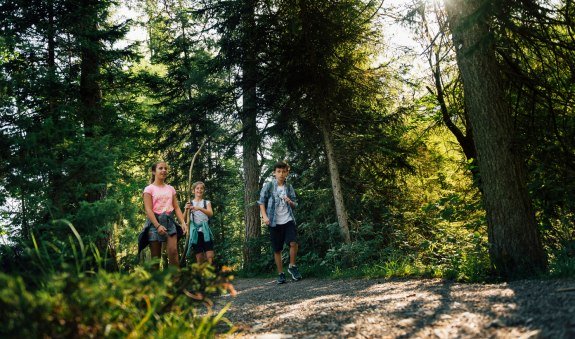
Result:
<point x="375" y="308"/>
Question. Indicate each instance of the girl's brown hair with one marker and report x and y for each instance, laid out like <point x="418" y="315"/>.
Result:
<point x="154" y="166"/>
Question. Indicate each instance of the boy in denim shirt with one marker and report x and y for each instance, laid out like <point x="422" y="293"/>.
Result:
<point x="277" y="201"/>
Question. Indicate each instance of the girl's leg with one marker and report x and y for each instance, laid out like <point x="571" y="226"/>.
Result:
<point x="200" y="257"/>
<point x="172" y="250"/>
<point x="210" y="255"/>
<point x="156" y="250"/>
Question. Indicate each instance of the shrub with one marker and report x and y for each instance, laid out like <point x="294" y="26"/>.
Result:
<point x="139" y="304"/>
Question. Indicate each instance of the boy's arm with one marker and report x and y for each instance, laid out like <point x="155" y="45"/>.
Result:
<point x="292" y="197"/>
<point x="264" y="214"/>
<point x="262" y="202"/>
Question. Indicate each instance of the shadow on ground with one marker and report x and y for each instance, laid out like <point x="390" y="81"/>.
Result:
<point x="319" y="308"/>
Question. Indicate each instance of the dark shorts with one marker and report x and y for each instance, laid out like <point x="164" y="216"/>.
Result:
<point x="202" y="246"/>
<point x="283" y="234"/>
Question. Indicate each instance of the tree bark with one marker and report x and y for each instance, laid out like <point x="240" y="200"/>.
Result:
<point x="435" y="58"/>
<point x="340" y="209"/>
<point x="90" y="92"/>
<point x="515" y="246"/>
<point x="91" y="104"/>
<point x="249" y="134"/>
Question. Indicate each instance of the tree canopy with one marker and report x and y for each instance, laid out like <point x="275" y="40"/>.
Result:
<point x="455" y="160"/>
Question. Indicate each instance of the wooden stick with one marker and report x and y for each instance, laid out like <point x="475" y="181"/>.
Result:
<point x="189" y="194"/>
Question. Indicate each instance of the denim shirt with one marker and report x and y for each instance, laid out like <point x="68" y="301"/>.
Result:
<point x="267" y="200"/>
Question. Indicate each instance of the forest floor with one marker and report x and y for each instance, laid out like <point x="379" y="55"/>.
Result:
<point x="379" y="308"/>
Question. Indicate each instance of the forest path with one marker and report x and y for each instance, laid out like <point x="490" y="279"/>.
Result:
<point x="378" y="308"/>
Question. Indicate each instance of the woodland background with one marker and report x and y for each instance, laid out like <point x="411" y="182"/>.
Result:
<point x="454" y="158"/>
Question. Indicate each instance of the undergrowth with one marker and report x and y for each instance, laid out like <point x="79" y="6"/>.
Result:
<point x="79" y="299"/>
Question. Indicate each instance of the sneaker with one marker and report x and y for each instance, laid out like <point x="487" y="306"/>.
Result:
<point x="295" y="275"/>
<point x="281" y="278"/>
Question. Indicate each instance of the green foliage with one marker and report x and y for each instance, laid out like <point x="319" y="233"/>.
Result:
<point x="160" y="304"/>
<point x="562" y="261"/>
<point x="68" y="300"/>
<point x="414" y="210"/>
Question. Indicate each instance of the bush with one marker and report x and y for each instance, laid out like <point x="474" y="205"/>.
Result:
<point x="140" y="304"/>
<point x="67" y="298"/>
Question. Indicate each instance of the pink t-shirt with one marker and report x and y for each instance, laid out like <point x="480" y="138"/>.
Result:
<point x="161" y="198"/>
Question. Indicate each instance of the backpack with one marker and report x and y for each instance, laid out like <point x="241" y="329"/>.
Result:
<point x="270" y="190"/>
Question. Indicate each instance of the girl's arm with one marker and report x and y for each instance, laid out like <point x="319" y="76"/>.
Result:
<point x="187" y="212"/>
<point x="179" y="214"/>
<point x="150" y="213"/>
<point x="208" y="210"/>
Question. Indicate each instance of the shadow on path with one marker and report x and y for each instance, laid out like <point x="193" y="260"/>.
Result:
<point x="362" y="308"/>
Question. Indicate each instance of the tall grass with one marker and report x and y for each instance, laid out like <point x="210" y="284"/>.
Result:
<point x="72" y="299"/>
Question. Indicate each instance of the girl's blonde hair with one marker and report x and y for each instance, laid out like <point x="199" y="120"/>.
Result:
<point x="197" y="183"/>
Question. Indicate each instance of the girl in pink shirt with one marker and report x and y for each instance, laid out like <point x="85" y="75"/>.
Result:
<point x="161" y="202"/>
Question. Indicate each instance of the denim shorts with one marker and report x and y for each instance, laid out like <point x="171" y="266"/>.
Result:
<point x="168" y="223"/>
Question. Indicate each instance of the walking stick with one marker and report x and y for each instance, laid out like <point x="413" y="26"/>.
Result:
<point x="186" y="212"/>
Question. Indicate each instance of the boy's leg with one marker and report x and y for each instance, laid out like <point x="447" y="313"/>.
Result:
<point x="291" y="239"/>
<point x="293" y="247"/>
<point x="292" y="269"/>
<point x="278" y="260"/>
<point x="277" y="236"/>
<point x="281" y="275"/>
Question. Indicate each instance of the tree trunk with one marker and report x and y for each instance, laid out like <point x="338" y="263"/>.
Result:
<point x="91" y="105"/>
<point x="249" y="133"/>
<point x="435" y="58"/>
<point x="90" y="92"/>
<point x="340" y="209"/>
<point x="515" y="245"/>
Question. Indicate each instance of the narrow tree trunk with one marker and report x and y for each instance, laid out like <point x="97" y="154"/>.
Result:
<point x="91" y="104"/>
<point x="515" y="246"/>
<point x="340" y="209"/>
<point x="249" y="134"/>
<point x="54" y="175"/>
<point x="51" y="60"/>
<point x="90" y="92"/>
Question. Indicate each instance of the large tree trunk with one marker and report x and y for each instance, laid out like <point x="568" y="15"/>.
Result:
<point x="249" y="134"/>
<point x="340" y="209"/>
<point x="435" y="57"/>
<point x="515" y="246"/>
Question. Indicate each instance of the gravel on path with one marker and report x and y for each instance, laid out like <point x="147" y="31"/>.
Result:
<point x="377" y="308"/>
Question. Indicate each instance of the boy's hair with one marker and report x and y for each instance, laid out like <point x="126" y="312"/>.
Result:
<point x="281" y="164"/>
<point x="197" y="183"/>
